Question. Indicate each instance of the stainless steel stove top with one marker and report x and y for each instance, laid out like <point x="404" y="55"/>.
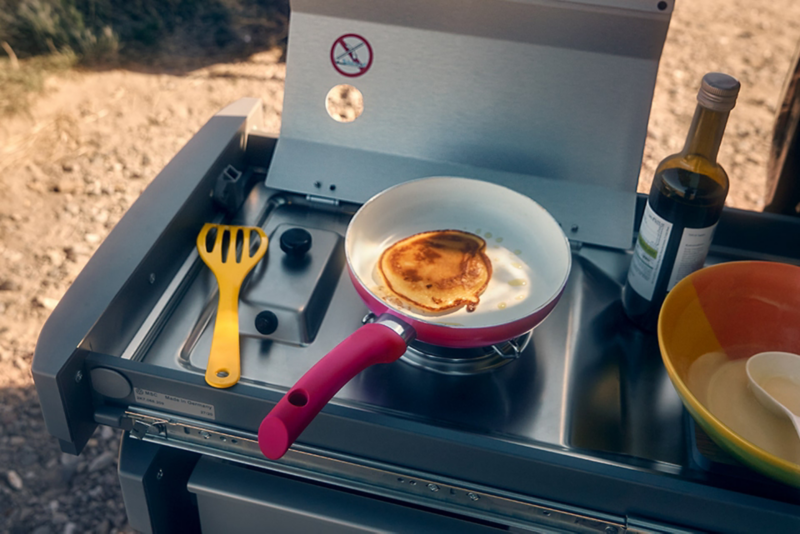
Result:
<point x="582" y="422"/>
<point x="572" y="386"/>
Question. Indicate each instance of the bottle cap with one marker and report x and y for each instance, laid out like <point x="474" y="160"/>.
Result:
<point x="718" y="91"/>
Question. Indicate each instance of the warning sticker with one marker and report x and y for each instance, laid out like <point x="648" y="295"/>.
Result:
<point x="175" y="404"/>
<point x="351" y="55"/>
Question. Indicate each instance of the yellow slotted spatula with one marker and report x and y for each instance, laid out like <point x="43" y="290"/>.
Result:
<point x="230" y="268"/>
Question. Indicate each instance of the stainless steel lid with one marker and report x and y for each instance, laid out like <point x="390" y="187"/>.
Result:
<point x="548" y="97"/>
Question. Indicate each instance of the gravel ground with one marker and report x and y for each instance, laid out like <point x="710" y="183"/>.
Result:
<point x="68" y="172"/>
<point x="71" y="167"/>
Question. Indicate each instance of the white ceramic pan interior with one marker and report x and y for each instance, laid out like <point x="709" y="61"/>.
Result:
<point x="529" y="253"/>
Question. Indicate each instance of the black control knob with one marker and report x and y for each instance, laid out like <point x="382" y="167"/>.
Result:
<point x="266" y="322"/>
<point x="296" y="242"/>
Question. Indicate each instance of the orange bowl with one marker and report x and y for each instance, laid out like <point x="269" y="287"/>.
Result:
<point x="737" y="309"/>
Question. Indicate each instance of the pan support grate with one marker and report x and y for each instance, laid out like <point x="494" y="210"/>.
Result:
<point x="470" y="361"/>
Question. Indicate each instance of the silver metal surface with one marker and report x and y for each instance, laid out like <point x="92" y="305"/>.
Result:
<point x="169" y="298"/>
<point x="296" y="290"/>
<point x="587" y="380"/>
<point x="454" y="496"/>
<point x="507" y="92"/>
<point x="397" y="326"/>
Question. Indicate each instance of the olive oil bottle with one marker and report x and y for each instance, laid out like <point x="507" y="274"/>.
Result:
<point x="683" y="207"/>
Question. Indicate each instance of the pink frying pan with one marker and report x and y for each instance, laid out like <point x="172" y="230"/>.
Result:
<point x="531" y="262"/>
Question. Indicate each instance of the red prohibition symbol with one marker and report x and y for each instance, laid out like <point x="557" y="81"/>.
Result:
<point x="351" y="55"/>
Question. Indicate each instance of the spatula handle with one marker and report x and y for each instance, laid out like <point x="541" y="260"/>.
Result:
<point x="224" y="369"/>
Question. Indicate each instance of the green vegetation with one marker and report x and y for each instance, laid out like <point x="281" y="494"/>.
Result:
<point x="38" y="37"/>
<point x="99" y="30"/>
<point x="37" y="27"/>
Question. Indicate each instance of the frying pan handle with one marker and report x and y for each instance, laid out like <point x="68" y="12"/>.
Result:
<point x="373" y="343"/>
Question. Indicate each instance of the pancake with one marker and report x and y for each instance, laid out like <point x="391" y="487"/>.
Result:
<point x="437" y="271"/>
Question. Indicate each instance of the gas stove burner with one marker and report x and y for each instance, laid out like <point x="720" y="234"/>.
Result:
<point x="467" y="361"/>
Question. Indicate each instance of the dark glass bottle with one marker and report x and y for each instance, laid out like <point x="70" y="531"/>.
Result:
<point x="684" y="205"/>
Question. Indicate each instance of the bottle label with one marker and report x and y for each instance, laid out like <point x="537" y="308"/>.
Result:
<point x="649" y="253"/>
<point x="692" y="253"/>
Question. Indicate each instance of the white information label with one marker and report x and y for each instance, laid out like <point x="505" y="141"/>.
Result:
<point x="175" y="404"/>
<point x="692" y="253"/>
<point x="649" y="253"/>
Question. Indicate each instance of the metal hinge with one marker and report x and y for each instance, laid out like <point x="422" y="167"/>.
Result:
<point x="323" y="200"/>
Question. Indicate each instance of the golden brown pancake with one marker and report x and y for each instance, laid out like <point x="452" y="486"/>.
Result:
<point x="437" y="271"/>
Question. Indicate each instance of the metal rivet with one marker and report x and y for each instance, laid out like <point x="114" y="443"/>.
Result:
<point x="222" y="374"/>
<point x="412" y="482"/>
<point x="152" y="278"/>
<point x="317" y="184"/>
<point x="205" y="434"/>
<point x="574" y="228"/>
<point x="78" y="376"/>
<point x="433" y="487"/>
<point x="473" y="496"/>
<point x="160" y="474"/>
<point x="333" y="187"/>
<point x="400" y="480"/>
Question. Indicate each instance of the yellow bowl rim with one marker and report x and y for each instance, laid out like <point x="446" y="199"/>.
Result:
<point x="684" y="392"/>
